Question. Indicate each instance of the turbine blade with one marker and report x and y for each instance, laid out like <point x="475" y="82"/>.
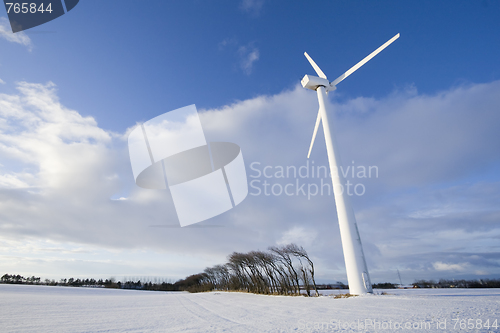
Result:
<point x="318" y="120"/>
<point x="364" y="61"/>
<point x="316" y="67"/>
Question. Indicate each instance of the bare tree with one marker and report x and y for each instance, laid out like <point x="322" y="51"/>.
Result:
<point x="300" y="252"/>
<point x="283" y="255"/>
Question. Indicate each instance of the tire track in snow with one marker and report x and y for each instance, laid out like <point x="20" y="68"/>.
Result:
<point x="207" y="315"/>
<point x="248" y="308"/>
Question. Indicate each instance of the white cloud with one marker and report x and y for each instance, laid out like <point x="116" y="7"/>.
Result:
<point x="227" y="42"/>
<point x="55" y="141"/>
<point x="60" y="170"/>
<point x="19" y="37"/>
<point x="252" y="7"/>
<point x="298" y="235"/>
<point x="14" y="181"/>
<point x="441" y="266"/>
<point x="2" y="81"/>
<point x="248" y="55"/>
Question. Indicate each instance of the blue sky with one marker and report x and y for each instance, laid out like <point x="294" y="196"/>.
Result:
<point x="424" y="111"/>
<point x="156" y="54"/>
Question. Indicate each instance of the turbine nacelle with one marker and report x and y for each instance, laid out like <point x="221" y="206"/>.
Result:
<point x="313" y="82"/>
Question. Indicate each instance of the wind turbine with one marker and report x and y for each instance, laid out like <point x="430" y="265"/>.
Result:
<point x="357" y="272"/>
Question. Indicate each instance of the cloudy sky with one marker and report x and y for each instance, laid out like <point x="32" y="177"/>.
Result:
<point x="424" y="114"/>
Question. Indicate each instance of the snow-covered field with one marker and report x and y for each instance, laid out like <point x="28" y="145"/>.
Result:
<point x="63" y="309"/>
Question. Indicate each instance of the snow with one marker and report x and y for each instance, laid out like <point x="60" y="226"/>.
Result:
<point x="25" y="308"/>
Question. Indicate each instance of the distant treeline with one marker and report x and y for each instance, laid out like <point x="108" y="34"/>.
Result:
<point x="479" y="283"/>
<point x="443" y="283"/>
<point x="108" y="283"/>
<point x="385" y="285"/>
<point x="281" y="270"/>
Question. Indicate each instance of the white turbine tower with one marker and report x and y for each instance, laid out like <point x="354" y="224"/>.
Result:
<point x="357" y="272"/>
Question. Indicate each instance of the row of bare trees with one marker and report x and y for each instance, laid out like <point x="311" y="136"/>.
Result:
<point x="282" y="270"/>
